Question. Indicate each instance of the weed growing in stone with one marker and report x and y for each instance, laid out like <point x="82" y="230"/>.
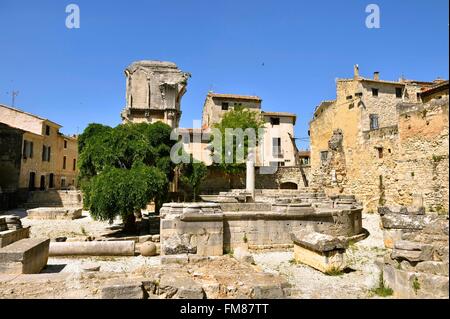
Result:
<point x="382" y="290"/>
<point x="416" y="285"/>
<point x="334" y="271"/>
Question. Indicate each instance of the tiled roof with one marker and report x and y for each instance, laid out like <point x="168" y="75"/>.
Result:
<point x="234" y="97"/>
<point x="279" y="114"/>
<point x="29" y="114"/>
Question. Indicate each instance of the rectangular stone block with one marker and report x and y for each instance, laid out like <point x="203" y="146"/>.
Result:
<point x="123" y="290"/>
<point x="174" y="259"/>
<point x="32" y="254"/>
<point x="10" y="236"/>
<point x="324" y="262"/>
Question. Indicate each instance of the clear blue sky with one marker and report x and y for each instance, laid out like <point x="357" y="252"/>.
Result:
<point x="287" y="52"/>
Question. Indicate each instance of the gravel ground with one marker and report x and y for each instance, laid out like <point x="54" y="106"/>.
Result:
<point x="81" y="227"/>
<point x="310" y="283"/>
<point x="107" y="264"/>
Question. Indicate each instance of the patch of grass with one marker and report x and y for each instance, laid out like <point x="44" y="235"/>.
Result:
<point x="416" y="285"/>
<point x="334" y="271"/>
<point x="293" y="261"/>
<point x="229" y="252"/>
<point x="382" y="290"/>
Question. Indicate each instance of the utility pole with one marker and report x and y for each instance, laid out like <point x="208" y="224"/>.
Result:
<point x="13" y="97"/>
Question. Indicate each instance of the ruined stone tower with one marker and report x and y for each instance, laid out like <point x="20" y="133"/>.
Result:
<point x="154" y="92"/>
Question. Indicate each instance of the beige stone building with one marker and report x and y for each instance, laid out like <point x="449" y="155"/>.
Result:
<point x="43" y="157"/>
<point x="384" y="141"/>
<point x="278" y="144"/>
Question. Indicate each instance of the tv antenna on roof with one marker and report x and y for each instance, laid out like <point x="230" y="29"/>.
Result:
<point x="13" y="97"/>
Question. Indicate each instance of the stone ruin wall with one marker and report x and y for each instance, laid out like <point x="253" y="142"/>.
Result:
<point x="412" y="171"/>
<point x="210" y="229"/>
<point x="417" y="262"/>
<point x="217" y="181"/>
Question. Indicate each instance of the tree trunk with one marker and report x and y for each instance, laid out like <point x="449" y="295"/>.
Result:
<point x="130" y="224"/>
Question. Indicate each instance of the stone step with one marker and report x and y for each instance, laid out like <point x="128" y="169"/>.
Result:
<point x="26" y="256"/>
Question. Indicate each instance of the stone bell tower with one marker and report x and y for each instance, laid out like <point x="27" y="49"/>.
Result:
<point x="154" y="92"/>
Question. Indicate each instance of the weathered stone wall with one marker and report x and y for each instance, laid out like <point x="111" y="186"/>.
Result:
<point x="416" y="265"/>
<point x="216" y="181"/>
<point x="403" y="162"/>
<point x="206" y="229"/>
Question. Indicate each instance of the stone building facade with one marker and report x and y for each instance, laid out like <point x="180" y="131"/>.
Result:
<point x="40" y="157"/>
<point x="153" y="92"/>
<point x="385" y="142"/>
<point x="278" y="145"/>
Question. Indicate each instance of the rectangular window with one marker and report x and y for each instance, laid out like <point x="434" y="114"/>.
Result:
<point x="324" y="156"/>
<point x="46" y="153"/>
<point x="27" y="149"/>
<point x="47" y="130"/>
<point x="225" y="106"/>
<point x="64" y="162"/>
<point x="275" y="121"/>
<point x="65" y="144"/>
<point x="380" y="152"/>
<point x="374" y="122"/>
<point x="276" y="147"/>
<point x="30" y="147"/>
<point x="398" y="93"/>
<point x="349" y="97"/>
<point x="74" y="167"/>
<point x="374" y="92"/>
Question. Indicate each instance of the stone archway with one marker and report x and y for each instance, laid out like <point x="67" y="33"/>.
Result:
<point x="288" y="185"/>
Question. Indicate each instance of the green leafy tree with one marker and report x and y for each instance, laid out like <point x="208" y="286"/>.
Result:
<point x="237" y="118"/>
<point x="192" y="174"/>
<point x="124" y="168"/>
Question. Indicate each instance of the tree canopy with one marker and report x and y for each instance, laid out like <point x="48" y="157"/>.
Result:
<point x="191" y="176"/>
<point x="124" y="168"/>
<point x="237" y="118"/>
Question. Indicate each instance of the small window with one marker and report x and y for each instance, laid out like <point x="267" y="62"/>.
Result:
<point x="47" y="130"/>
<point x="74" y="166"/>
<point x="380" y="152"/>
<point x="374" y="122"/>
<point x="225" y="106"/>
<point x="398" y="93"/>
<point x="64" y="162"/>
<point x="349" y="97"/>
<point x="63" y="182"/>
<point x="65" y="143"/>
<point x="324" y="156"/>
<point x="374" y="92"/>
<point x="359" y="94"/>
<point x="275" y="121"/>
<point x="418" y="96"/>
<point x="276" y="146"/>
<point x="44" y="153"/>
<point x="27" y="149"/>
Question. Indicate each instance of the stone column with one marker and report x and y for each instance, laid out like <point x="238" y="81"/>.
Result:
<point x="250" y="180"/>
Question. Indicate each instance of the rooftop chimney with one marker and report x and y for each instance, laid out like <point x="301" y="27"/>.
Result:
<point x="356" y="72"/>
<point x="376" y="76"/>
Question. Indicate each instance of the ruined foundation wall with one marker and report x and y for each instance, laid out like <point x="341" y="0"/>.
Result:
<point x="204" y="229"/>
